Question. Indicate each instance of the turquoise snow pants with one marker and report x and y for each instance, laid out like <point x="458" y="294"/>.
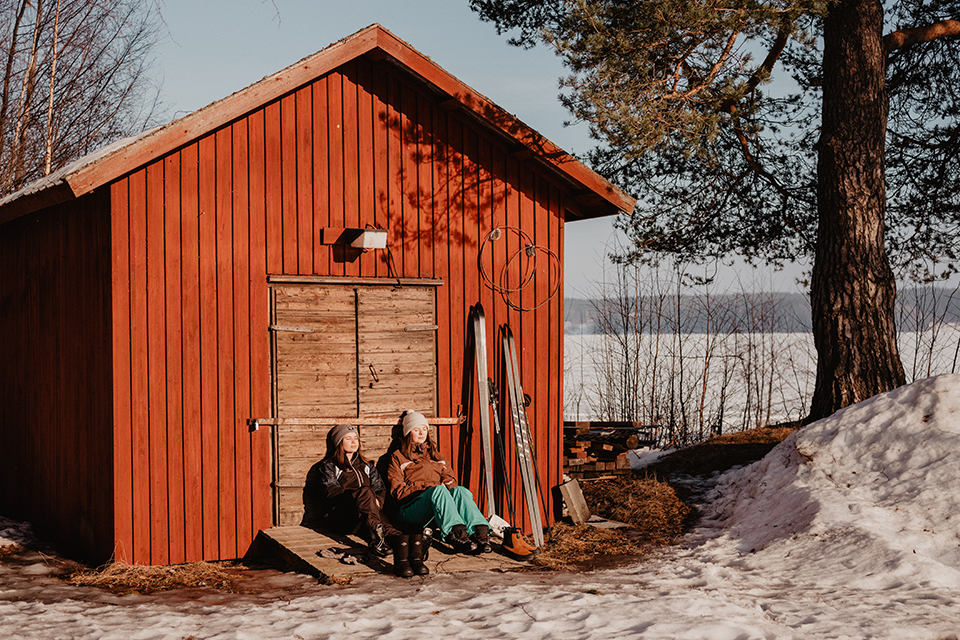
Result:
<point x="447" y="507"/>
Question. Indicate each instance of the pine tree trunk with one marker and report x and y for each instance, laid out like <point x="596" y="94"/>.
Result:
<point x="853" y="288"/>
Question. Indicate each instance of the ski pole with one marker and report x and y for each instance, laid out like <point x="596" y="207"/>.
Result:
<point x="498" y="438"/>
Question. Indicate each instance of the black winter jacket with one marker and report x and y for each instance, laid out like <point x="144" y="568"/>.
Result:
<point x="337" y="481"/>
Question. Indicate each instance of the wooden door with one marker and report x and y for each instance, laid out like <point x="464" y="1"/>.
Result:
<point x="314" y="351"/>
<point x="396" y="350"/>
<point x="343" y="352"/>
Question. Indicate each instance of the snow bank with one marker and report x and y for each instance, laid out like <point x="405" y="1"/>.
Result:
<point x="869" y="497"/>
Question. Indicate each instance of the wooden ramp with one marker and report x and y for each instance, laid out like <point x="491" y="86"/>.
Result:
<point x="296" y="548"/>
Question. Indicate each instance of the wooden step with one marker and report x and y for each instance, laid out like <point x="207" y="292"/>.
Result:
<point x="297" y="548"/>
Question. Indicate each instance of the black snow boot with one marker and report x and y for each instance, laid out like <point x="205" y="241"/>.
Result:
<point x="460" y="541"/>
<point x="417" y="555"/>
<point x="401" y="556"/>
<point x="481" y="536"/>
<point x="378" y="542"/>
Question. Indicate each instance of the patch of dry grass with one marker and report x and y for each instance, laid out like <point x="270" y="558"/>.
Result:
<point x="120" y="577"/>
<point x="647" y="504"/>
<point x="576" y="544"/>
<point x="652" y="506"/>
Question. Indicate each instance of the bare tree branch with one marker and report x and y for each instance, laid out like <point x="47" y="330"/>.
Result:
<point x="53" y="75"/>
<point x="94" y="55"/>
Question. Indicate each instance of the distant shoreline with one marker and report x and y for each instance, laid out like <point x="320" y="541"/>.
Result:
<point x="743" y="312"/>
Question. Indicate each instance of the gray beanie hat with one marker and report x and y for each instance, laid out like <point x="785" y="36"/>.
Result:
<point x="413" y="419"/>
<point x="339" y="432"/>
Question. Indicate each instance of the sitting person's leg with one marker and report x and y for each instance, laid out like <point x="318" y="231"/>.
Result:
<point x="342" y="515"/>
<point x="378" y="527"/>
<point x="467" y="509"/>
<point x="477" y="526"/>
<point x="437" y="503"/>
<point x="434" y="504"/>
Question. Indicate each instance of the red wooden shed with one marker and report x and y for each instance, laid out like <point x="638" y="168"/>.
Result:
<point x="158" y="295"/>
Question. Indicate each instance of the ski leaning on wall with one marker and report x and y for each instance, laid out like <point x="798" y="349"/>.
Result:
<point x="478" y="320"/>
<point x="521" y="431"/>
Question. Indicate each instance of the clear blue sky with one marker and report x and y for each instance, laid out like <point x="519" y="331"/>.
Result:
<point x="213" y="48"/>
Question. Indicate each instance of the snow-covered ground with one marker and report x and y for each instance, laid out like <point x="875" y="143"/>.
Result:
<point x="848" y="529"/>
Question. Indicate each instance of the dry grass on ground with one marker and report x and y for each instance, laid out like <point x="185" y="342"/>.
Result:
<point x="572" y="545"/>
<point x="120" y="577"/>
<point x="652" y="505"/>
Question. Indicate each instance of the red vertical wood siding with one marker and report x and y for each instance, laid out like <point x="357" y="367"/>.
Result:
<point x="140" y="391"/>
<point x="173" y="342"/>
<point x="261" y="504"/>
<point x="196" y="233"/>
<point x="55" y="462"/>
<point x="156" y="450"/>
<point x="238" y="433"/>
<point x="123" y="462"/>
<point x="189" y="242"/>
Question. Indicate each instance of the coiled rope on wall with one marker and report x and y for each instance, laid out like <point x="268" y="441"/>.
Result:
<point x="529" y="252"/>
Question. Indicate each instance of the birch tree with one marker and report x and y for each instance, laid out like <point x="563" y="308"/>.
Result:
<point x="76" y="76"/>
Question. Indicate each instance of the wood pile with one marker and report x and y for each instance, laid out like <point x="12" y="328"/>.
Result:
<point x="599" y="449"/>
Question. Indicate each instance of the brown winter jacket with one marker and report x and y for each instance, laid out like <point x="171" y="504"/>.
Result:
<point x="408" y="477"/>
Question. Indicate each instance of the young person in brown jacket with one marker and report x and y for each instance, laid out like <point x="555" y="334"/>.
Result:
<point x="426" y="489"/>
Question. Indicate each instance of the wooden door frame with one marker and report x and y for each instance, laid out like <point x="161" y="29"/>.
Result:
<point x="277" y="424"/>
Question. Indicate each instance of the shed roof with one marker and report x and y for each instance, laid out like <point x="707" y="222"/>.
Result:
<point x="595" y="196"/>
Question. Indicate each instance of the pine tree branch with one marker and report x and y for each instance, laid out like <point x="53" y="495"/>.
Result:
<point x="764" y="70"/>
<point x="918" y="35"/>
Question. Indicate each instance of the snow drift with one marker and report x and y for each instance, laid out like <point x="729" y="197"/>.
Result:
<point x="869" y="496"/>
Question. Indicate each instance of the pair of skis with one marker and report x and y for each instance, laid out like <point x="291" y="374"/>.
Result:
<point x="529" y="475"/>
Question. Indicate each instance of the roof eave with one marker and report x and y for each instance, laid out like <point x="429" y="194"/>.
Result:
<point x="51" y="195"/>
<point x="602" y="197"/>
<point x="219" y="113"/>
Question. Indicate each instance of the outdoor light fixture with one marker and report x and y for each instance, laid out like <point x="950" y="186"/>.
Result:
<point x="361" y="239"/>
<point x="370" y="239"/>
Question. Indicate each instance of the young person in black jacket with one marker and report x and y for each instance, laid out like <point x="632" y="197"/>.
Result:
<point x="351" y="491"/>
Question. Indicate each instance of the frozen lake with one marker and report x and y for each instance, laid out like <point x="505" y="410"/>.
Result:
<point x="701" y="382"/>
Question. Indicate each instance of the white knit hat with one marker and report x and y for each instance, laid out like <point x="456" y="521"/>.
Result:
<point x="413" y="419"/>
